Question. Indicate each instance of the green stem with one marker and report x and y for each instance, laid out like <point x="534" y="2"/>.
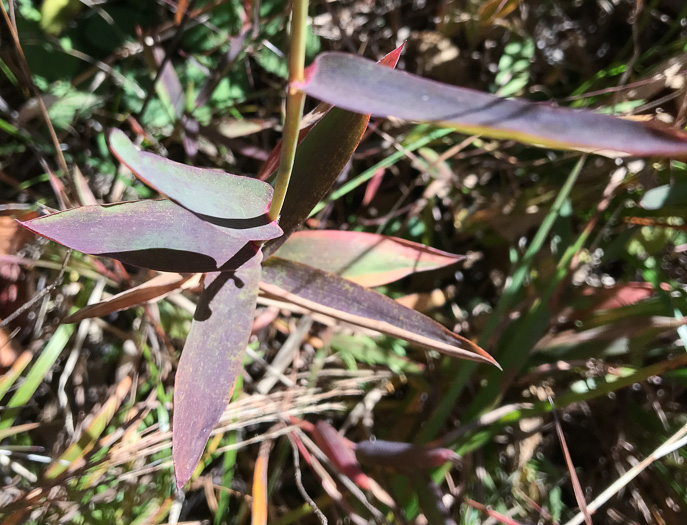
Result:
<point x="294" y="105"/>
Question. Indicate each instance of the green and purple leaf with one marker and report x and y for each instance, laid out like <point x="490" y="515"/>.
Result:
<point x="238" y="201"/>
<point x="331" y="295"/>
<point x="360" y="85"/>
<point x="320" y="158"/>
<point x="211" y="361"/>
<point x="315" y="116"/>
<point x="155" y="234"/>
<point x="368" y="259"/>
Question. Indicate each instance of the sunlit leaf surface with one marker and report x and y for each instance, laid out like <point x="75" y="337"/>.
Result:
<point x="357" y="84"/>
<point x="368" y="259"/>
<point x="211" y="361"/>
<point x="337" y="297"/>
<point x="204" y="191"/>
<point x="155" y="234"/>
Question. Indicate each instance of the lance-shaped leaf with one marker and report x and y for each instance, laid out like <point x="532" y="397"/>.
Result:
<point x="211" y="361"/>
<point x="150" y="291"/>
<point x="155" y="234"/>
<point x="357" y="84"/>
<point x="312" y="118"/>
<point x="320" y="158"/>
<point x="234" y="201"/>
<point x="331" y="295"/>
<point x="368" y="259"/>
<point x="402" y="456"/>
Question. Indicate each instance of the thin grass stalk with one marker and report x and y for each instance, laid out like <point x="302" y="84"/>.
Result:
<point x="507" y="299"/>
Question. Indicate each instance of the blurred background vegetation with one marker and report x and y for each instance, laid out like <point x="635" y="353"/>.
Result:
<point x="575" y="277"/>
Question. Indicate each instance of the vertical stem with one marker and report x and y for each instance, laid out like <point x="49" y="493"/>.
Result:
<point x="294" y="105"/>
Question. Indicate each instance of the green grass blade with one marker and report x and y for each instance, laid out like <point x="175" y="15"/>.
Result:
<point x="389" y="161"/>
<point x="37" y="374"/>
<point x="465" y="370"/>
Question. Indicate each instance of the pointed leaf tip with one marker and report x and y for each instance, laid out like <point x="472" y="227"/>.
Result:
<point x="391" y="60"/>
<point x="331" y="295"/>
<point x="368" y="259"/>
<point x="356" y="84"/>
<point x="211" y="361"/>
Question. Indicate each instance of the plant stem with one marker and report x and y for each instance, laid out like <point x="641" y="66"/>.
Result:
<point x="294" y="105"/>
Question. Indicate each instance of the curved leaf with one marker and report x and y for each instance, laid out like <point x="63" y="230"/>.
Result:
<point x="211" y="361"/>
<point x="357" y="84"/>
<point x="337" y="297"/>
<point x="155" y="234"/>
<point x="341" y="453"/>
<point x="207" y="192"/>
<point x="368" y="259"/>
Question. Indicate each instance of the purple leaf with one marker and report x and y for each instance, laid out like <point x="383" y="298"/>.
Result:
<point x="239" y="201"/>
<point x="402" y="456"/>
<point x="211" y="361"/>
<point x="337" y="297"/>
<point x="312" y="118"/>
<point x="320" y="158"/>
<point x="357" y="84"/>
<point x="155" y="234"/>
<point x="341" y="453"/>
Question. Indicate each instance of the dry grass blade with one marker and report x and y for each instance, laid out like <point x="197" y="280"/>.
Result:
<point x="71" y="458"/>
<point x="18" y="429"/>
<point x="8" y="379"/>
<point x="676" y="441"/>
<point x="577" y="488"/>
<point x="259" y="503"/>
<point x="491" y="513"/>
<point x="34" y="89"/>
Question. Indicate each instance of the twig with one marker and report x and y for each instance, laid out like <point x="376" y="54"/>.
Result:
<point x="577" y="488"/>
<point x="294" y="106"/>
<point x="676" y="441"/>
<point x="299" y="483"/>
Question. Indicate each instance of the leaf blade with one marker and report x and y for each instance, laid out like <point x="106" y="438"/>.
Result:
<point x="325" y="150"/>
<point x="312" y="118"/>
<point x="147" y="234"/>
<point x="357" y="84"/>
<point x="211" y="361"/>
<point x="150" y="291"/>
<point x="337" y="297"/>
<point x="368" y="259"/>
<point x="205" y="191"/>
